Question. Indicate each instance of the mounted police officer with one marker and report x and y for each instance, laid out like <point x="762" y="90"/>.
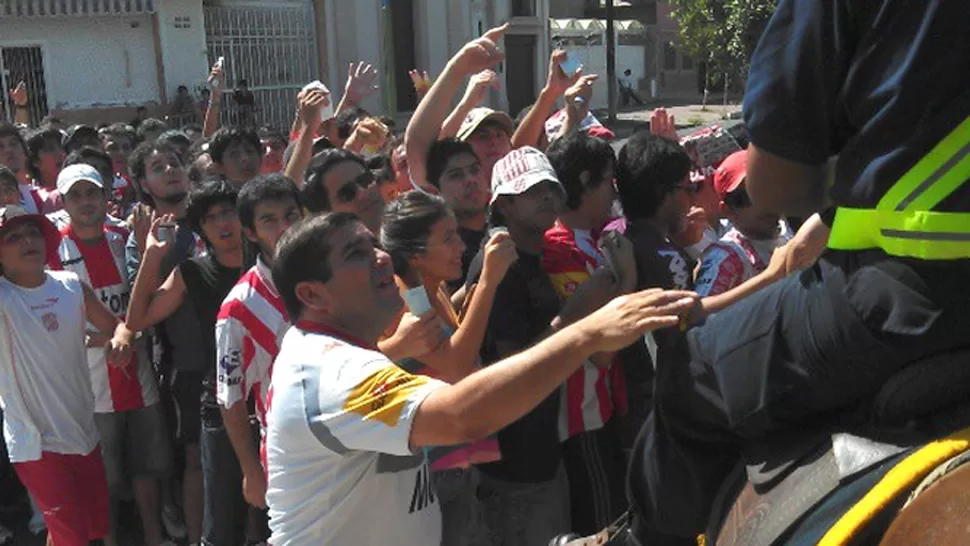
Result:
<point x="882" y="85"/>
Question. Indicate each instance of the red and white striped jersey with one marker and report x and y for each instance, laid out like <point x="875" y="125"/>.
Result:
<point x="593" y="393"/>
<point x="249" y="331"/>
<point x="102" y="267"/>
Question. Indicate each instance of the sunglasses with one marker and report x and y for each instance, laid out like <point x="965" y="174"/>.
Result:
<point x="348" y="192"/>
<point x="737" y="199"/>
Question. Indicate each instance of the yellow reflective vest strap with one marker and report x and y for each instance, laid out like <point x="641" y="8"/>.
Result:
<point x="902" y="224"/>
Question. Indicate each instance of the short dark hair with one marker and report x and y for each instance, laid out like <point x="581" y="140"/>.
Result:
<point x="314" y="191"/>
<point x="10" y="130"/>
<point x="575" y="154"/>
<point x="124" y="130"/>
<point x="51" y="120"/>
<point x="35" y="143"/>
<point x="88" y="155"/>
<point x="243" y="83"/>
<point x="137" y="161"/>
<point x="347" y="119"/>
<point x="303" y="254"/>
<point x="150" y="125"/>
<point x="407" y="224"/>
<point x="183" y="87"/>
<point x="265" y="187"/>
<point x="209" y="194"/>
<point x="440" y="154"/>
<point x="178" y="140"/>
<point x="647" y="169"/>
<point x="381" y="165"/>
<point x="226" y="137"/>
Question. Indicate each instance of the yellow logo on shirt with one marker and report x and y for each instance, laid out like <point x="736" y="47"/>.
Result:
<point x="383" y="395"/>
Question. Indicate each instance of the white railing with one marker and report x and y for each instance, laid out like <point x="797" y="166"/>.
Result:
<point x="74" y="8"/>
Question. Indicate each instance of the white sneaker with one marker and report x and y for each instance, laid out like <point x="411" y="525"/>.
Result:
<point x="6" y="535"/>
<point x="173" y="522"/>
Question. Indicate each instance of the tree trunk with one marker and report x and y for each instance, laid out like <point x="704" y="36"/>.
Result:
<point x="724" y="105"/>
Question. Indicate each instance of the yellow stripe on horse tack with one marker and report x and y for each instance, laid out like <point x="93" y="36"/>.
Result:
<point x="902" y="477"/>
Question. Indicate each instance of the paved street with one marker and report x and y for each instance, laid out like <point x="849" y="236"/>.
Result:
<point x="689" y="118"/>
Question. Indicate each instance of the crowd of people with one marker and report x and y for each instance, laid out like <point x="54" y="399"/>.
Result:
<point x="348" y="334"/>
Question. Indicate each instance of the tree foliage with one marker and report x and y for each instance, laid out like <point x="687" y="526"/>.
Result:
<point x="721" y="33"/>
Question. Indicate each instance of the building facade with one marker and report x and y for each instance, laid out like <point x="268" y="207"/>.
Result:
<point x="93" y="60"/>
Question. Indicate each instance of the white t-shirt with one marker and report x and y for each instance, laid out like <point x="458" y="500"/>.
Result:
<point x="341" y="470"/>
<point x="45" y="386"/>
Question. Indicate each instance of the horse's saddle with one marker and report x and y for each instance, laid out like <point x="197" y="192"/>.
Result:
<point x="793" y="485"/>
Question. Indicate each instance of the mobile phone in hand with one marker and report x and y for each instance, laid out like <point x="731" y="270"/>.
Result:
<point x="417" y="301"/>
<point x="166" y="233"/>
<point x="570" y="65"/>
<point x="327" y="111"/>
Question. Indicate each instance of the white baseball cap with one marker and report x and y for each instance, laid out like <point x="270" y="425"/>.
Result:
<point x="77" y="173"/>
<point x="521" y="169"/>
<point x="481" y="115"/>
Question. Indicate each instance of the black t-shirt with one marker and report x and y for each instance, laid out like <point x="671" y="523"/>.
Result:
<point x="473" y="243"/>
<point x="207" y="283"/>
<point x="525" y="305"/>
<point x="659" y="265"/>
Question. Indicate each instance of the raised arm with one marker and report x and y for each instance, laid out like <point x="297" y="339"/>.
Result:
<point x="491" y="398"/>
<point x="212" y="113"/>
<point x="361" y="83"/>
<point x="529" y="132"/>
<point x="151" y="303"/>
<point x="425" y="125"/>
<point x="20" y="102"/>
<point x="478" y="85"/>
<point x="311" y="105"/>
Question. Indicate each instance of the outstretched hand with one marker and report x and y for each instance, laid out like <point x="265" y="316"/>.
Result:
<point x="625" y="319"/>
<point x="663" y="124"/>
<point x="481" y="53"/>
<point x="19" y="94"/>
<point x="557" y="81"/>
<point x="361" y="82"/>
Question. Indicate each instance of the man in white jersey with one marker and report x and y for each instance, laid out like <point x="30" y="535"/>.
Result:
<point x="346" y="426"/>
<point x="251" y="324"/>
<point x="45" y="382"/>
<point x="128" y="414"/>
<point x="746" y="249"/>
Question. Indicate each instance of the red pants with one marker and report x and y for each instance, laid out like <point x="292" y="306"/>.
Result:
<point x="72" y="493"/>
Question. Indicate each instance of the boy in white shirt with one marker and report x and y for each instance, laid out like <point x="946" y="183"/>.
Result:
<point x="45" y="383"/>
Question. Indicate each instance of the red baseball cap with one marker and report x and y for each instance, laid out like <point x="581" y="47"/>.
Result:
<point x="13" y="215"/>
<point x="731" y="173"/>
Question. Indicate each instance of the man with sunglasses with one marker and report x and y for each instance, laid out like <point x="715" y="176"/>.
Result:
<point x="339" y="181"/>
<point x="746" y="249"/>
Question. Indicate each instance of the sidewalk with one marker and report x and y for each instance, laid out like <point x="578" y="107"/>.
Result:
<point x="687" y="115"/>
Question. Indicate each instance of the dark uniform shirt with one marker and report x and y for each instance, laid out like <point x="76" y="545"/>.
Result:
<point x="879" y="84"/>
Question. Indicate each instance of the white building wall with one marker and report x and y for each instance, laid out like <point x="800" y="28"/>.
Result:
<point x="91" y="62"/>
<point x="181" y="31"/>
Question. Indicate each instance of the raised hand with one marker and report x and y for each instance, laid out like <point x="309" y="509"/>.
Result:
<point x="312" y="103"/>
<point x="663" y="125"/>
<point x="500" y="254"/>
<point x="479" y="84"/>
<point x="417" y="336"/>
<point x="156" y="238"/>
<point x="557" y="81"/>
<point x="625" y="319"/>
<point x="481" y="53"/>
<point x="421" y="81"/>
<point x="361" y="82"/>
<point x="578" y="97"/>
<point x="19" y="94"/>
<point x="217" y="79"/>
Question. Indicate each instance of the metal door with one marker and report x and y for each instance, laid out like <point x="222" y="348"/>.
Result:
<point x="273" y="47"/>
<point x="24" y="64"/>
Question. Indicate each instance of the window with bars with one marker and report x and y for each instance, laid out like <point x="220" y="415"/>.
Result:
<point x="24" y="64"/>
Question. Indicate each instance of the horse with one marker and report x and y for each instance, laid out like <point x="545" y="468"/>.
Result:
<point x="891" y="471"/>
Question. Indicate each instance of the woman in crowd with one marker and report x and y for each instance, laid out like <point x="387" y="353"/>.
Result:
<point x="421" y="235"/>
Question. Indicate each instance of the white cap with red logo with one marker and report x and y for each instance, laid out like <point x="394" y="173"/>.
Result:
<point x="521" y="169"/>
